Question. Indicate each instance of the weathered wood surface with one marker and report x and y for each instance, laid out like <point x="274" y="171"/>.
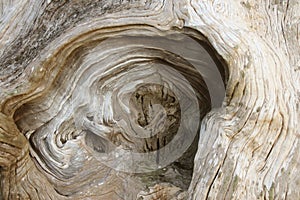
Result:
<point x="50" y="86"/>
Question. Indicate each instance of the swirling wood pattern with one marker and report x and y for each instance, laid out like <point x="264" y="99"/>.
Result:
<point x="85" y="82"/>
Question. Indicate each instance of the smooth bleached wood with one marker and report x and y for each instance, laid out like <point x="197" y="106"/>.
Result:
<point x="201" y="98"/>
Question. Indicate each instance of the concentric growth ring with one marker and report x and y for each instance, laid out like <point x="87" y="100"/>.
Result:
<point x="132" y="99"/>
<point x="146" y="115"/>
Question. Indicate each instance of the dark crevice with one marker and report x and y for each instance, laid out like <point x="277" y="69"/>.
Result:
<point x="212" y="182"/>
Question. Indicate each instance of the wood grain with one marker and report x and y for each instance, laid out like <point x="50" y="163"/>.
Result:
<point x="78" y="78"/>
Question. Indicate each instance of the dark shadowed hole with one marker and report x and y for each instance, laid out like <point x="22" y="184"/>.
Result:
<point x="180" y="172"/>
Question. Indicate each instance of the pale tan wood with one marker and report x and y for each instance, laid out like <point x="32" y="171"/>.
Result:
<point x="248" y="148"/>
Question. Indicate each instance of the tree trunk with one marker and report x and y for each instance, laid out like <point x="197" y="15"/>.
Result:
<point x="79" y="78"/>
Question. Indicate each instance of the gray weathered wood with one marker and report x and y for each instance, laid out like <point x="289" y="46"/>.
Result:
<point x="50" y="86"/>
